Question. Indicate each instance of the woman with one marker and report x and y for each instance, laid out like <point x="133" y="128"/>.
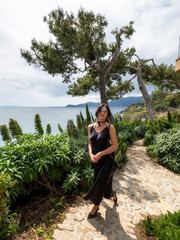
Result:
<point x="99" y="135"/>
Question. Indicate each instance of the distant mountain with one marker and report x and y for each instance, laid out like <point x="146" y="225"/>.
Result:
<point x="84" y="104"/>
<point x="122" y="102"/>
<point x="126" y="101"/>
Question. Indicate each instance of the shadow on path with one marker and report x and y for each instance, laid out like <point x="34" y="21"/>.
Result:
<point x="109" y="226"/>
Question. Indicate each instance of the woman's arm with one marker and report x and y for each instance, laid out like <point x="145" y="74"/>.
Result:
<point x="89" y="144"/>
<point x="92" y="157"/>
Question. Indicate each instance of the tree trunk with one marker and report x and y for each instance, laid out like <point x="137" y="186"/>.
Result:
<point x="102" y="89"/>
<point x="146" y="96"/>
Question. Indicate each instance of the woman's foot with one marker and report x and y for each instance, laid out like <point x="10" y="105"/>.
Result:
<point x="114" y="197"/>
<point x="93" y="212"/>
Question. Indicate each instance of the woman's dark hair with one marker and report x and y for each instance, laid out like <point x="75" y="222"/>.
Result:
<point x="109" y="116"/>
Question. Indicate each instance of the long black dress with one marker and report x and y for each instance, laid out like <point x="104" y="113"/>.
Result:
<point x="102" y="185"/>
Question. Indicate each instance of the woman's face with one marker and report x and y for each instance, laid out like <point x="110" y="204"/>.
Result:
<point x="102" y="115"/>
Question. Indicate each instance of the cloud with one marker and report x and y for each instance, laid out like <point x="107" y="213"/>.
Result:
<point x="157" y="32"/>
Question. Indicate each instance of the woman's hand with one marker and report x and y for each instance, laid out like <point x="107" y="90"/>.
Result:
<point x="95" y="158"/>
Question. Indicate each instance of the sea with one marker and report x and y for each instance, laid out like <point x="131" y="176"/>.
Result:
<point x="52" y="115"/>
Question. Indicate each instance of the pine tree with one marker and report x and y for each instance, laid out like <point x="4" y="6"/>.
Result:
<point x="82" y="38"/>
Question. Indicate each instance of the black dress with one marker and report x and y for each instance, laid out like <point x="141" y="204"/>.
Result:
<point x="102" y="185"/>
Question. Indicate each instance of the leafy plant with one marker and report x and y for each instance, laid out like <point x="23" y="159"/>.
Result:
<point x="148" y="138"/>
<point x="72" y="180"/>
<point x="14" y="128"/>
<point x="9" y="223"/>
<point x="165" y="227"/>
<point x="38" y="125"/>
<point x="60" y="128"/>
<point x="5" y="133"/>
<point x="48" y="129"/>
<point x="140" y="131"/>
<point x="39" y="231"/>
<point x="167" y="149"/>
<point x="79" y="123"/>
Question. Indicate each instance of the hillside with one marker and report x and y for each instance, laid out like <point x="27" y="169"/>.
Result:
<point x="123" y="102"/>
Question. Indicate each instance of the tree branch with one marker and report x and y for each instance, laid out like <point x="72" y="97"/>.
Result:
<point x="141" y="61"/>
<point x="92" y="65"/>
<point x="110" y="63"/>
<point x="128" y="66"/>
<point x="98" y="59"/>
<point x="152" y="60"/>
<point x="131" y="79"/>
<point x="127" y="81"/>
<point x="82" y="71"/>
<point x="137" y="57"/>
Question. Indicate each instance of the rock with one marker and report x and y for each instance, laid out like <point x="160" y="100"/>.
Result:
<point x="62" y="235"/>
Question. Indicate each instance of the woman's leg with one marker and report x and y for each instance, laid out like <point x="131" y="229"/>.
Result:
<point x="94" y="209"/>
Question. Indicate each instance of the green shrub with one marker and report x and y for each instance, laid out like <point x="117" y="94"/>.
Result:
<point x="43" y="161"/>
<point x="60" y="128"/>
<point x="38" y="125"/>
<point x="48" y="129"/>
<point x="148" y="138"/>
<point x="5" y="133"/>
<point x="165" y="227"/>
<point x="160" y="106"/>
<point x="14" y="128"/>
<point x="9" y="223"/>
<point x="140" y="131"/>
<point x="167" y="149"/>
<point x="173" y="100"/>
<point x="176" y="116"/>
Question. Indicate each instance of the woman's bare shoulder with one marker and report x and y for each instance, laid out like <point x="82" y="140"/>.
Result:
<point x="90" y="125"/>
<point x="111" y="127"/>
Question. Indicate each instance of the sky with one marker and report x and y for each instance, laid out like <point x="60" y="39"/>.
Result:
<point x="157" y="31"/>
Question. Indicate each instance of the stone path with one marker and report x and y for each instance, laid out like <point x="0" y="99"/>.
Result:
<point x="143" y="188"/>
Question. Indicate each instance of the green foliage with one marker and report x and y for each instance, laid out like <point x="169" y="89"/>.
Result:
<point x="162" y="99"/>
<point x="60" y="128"/>
<point x="88" y="115"/>
<point x="173" y="100"/>
<point x="82" y="118"/>
<point x="164" y="77"/>
<point x="82" y="37"/>
<point x="60" y="203"/>
<point x="72" y="181"/>
<point x="120" y="154"/>
<point x="48" y="129"/>
<point x="9" y="223"/>
<point x="70" y="128"/>
<point x="128" y="135"/>
<point x="5" y="133"/>
<point x="87" y="175"/>
<point x="140" y="131"/>
<point x="14" y="128"/>
<point x="167" y="149"/>
<point x="39" y="231"/>
<point x="134" y="112"/>
<point x="166" y="227"/>
<point x="38" y="125"/>
<point x="176" y="116"/>
<point x="165" y="123"/>
<point x="148" y="138"/>
<point x="44" y="161"/>
<point x="79" y="123"/>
